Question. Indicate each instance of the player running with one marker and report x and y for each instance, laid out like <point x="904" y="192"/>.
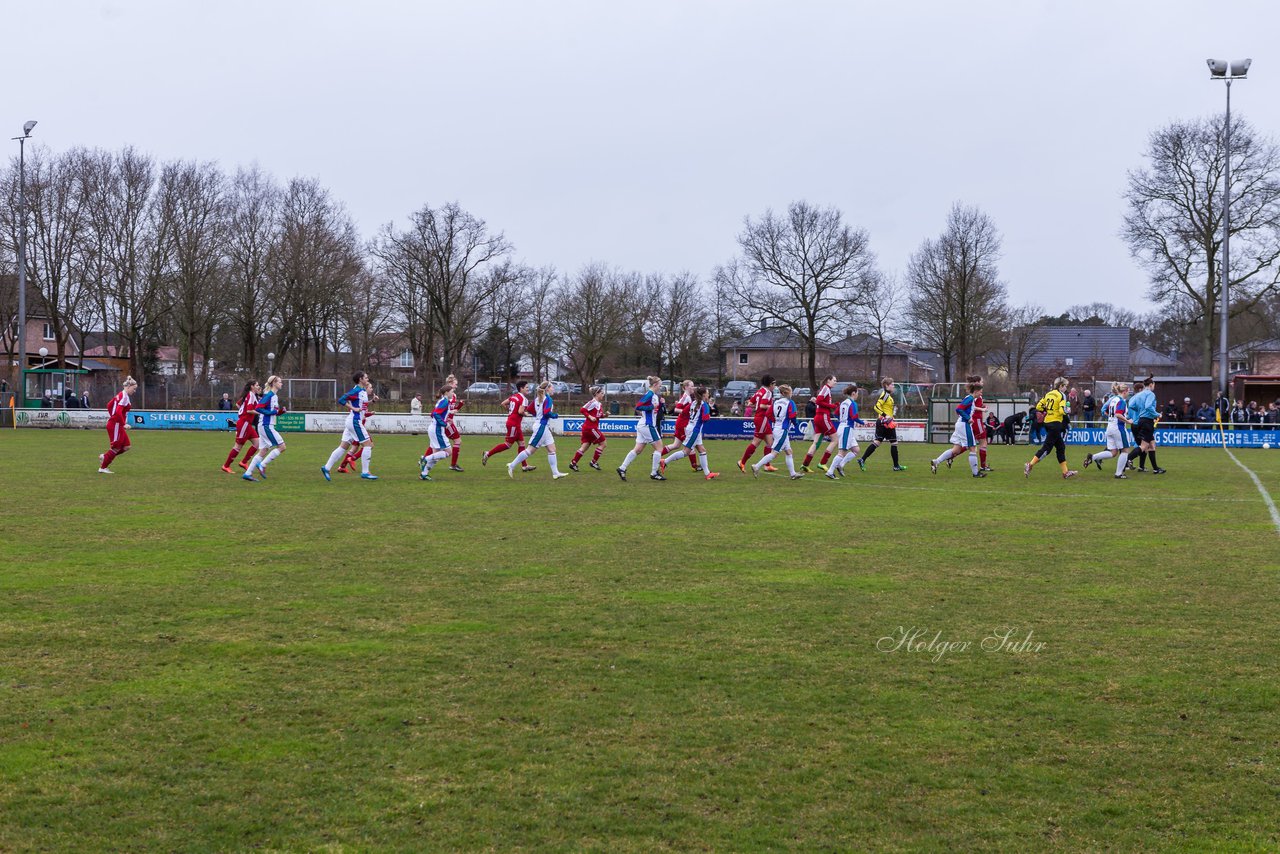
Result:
<point x="544" y="409"/>
<point x="762" y="404"/>
<point x="355" y="437"/>
<point x="270" y="442"/>
<point x="648" y="432"/>
<point x="440" y="446"/>
<point x="981" y="434"/>
<point x="1114" y="410"/>
<point x="962" y="436"/>
<point x="784" y="415"/>
<point x="591" y="411"/>
<point x="700" y="401"/>
<point x="1054" y="407"/>
<point x="846" y="440"/>
<point x="246" y="431"/>
<point x="683" y="409"/>
<point x="118" y="425"/>
<point x="886" y="426"/>
<point x="518" y="405"/>
<point x="824" y="427"/>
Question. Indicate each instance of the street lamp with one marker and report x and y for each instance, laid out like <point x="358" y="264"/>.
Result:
<point x="271" y="363"/>
<point x="21" y="341"/>
<point x="1220" y="69"/>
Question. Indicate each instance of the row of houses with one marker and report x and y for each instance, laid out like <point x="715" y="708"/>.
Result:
<point x="1100" y="352"/>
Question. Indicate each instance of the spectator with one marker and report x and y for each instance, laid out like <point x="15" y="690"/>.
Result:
<point x="1272" y="415"/>
<point x="225" y="403"/>
<point x="1255" y="415"/>
<point x="1205" y="414"/>
<point x="1170" y="411"/>
<point x="415" y="405"/>
<point x="1239" y="415"/>
<point x="735" y="410"/>
<point x="1009" y="429"/>
<point x="47" y="401"/>
<point x="1187" y="414"/>
<point x="811" y="409"/>
<point x="1223" y="406"/>
<point x="1073" y="398"/>
<point x="84" y="399"/>
<point x="715" y="410"/>
<point x="750" y="410"/>
<point x="993" y="424"/>
<point x="1088" y="406"/>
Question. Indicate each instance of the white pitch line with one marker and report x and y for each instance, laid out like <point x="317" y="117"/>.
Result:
<point x="1266" y="496"/>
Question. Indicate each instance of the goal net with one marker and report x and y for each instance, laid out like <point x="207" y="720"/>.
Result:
<point x="311" y="393"/>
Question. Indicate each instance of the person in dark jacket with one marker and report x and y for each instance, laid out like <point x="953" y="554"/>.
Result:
<point x="1088" y="406"/>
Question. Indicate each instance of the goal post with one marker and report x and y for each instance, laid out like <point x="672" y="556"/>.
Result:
<point x="311" y="393"/>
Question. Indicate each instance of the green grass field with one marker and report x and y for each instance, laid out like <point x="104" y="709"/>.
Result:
<point x="191" y="662"/>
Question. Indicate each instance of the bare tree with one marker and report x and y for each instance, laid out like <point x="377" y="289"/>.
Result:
<point x="795" y="269"/>
<point x="879" y="309"/>
<point x="956" y="300"/>
<point x="56" y="231"/>
<point x="542" y="333"/>
<point x="1022" y="340"/>
<point x="126" y="259"/>
<point x="1174" y="221"/>
<point x="679" y="323"/>
<point x="193" y="199"/>
<point x="1104" y="313"/>
<point x="253" y="228"/>
<point x="442" y="258"/>
<point x="592" y="313"/>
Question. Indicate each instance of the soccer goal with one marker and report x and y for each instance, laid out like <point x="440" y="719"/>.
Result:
<point x="311" y="393"/>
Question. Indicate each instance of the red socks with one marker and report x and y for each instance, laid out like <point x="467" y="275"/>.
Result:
<point x="982" y="456"/>
<point x="456" y="450"/>
<point x="501" y="446"/>
<point x="231" y="457"/>
<point x="107" y="458"/>
<point x="746" y="455"/>
<point x="808" y="458"/>
<point x="826" y="458"/>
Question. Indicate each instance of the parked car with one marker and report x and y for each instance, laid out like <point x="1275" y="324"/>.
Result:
<point x="803" y="391"/>
<point x="558" y="387"/>
<point x="636" y="387"/>
<point x="613" y="389"/>
<point x="483" y="390"/>
<point x="739" y="389"/>
<point x="575" y="388"/>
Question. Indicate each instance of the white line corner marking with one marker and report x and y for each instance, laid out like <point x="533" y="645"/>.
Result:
<point x="1271" y="505"/>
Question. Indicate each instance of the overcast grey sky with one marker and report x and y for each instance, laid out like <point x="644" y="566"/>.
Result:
<point x="640" y="134"/>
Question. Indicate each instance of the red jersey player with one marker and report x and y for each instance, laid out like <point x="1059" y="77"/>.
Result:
<point x="591" y="411"/>
<point x="518" y="405"/>
<point x="684" y="412"/>
<point x="980" y="432"/>
<point x="762" y="401"/>
<point x="824" y="426"/>
<point x="451" y="431"/>
<point x="117" y="425"/>
<point x="246" y="426"/>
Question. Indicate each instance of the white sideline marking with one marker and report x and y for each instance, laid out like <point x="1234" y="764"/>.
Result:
<point x="1271" y="505"/>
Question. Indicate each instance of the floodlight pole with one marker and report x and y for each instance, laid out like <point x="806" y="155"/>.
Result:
<point x="1223" y="348"/>
<point x="20" y="340"/>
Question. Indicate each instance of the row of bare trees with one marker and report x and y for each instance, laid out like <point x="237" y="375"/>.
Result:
<point x="235" y="264"/>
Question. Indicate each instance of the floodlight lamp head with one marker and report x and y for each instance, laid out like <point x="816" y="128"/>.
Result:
<point x="27" y="128"/>
<point x="1240" y="67"/>
<point x="1217" y="67"/>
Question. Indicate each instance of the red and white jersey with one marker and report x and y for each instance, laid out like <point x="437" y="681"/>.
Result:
<point x="119" y="408"/>
<point x="515" y="409"/>
<point x="454" y="406"/>
<point x="592" y="410"/>
<point x="683" y="407"/>
<point x="763" y="399"/>
<point x="246" y="411"/>
<point x="979" y="417"/>
<point x="826" y="408"/>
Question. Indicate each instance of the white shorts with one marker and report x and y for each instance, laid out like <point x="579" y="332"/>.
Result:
<point x="778" y="443"/>
<point x="1116" y="439"/>
<point x="963" y="435"/>
<point x="439" y="441"/>
<point x="270" y="436"/>
<point x="354" y="432"/>
<point x="542" y="436"/>
<point x="847" y="438"/>
<point x="647" y="435"/>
